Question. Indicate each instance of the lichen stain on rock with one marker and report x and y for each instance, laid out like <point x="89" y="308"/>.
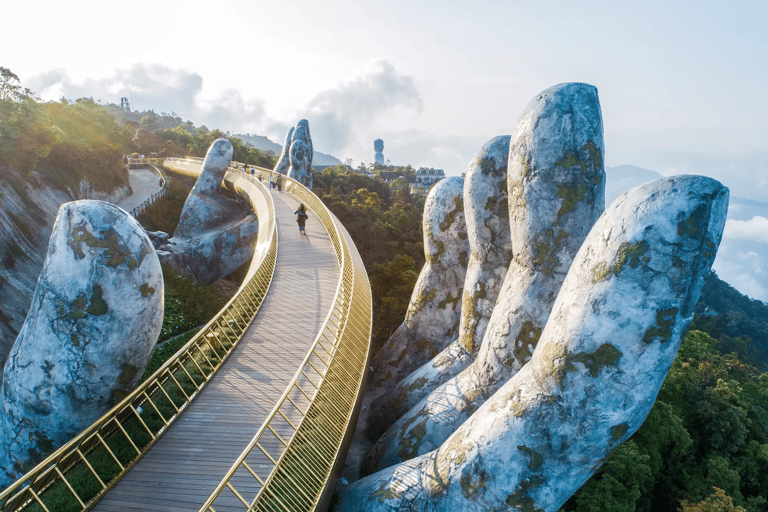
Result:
<point x="605" y="355"/>
<point x="545" y="251"/>
<point x="107" y="240"/>
<point x="520" y="498"/>
<point x="450" y="217"/>
<point x="627" y="254"/>
<point x="146" y="290"/>
<point x="695" y="222"/>
<point x="536" y="458"/>
<point x="409" y="446"/>
<point x="665" y="319"/>
<point x="471" y="485"/>
<point x="618" y="431"/>
<point x="98" y="305"/>
<point x="571" y="196"/>
<point x="449" y="299"/>
<point x="527" y="337"/>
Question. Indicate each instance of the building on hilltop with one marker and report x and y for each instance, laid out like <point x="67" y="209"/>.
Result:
<point x="425" y="178"/>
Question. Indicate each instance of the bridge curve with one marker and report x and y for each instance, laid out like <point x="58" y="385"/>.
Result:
<point x="316" y="318"/>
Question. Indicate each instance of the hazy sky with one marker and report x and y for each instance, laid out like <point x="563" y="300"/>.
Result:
<point x="683" y="84"/>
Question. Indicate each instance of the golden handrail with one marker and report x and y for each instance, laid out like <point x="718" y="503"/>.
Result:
<point x="105" y="451"/>
<point x="290" y="464"/>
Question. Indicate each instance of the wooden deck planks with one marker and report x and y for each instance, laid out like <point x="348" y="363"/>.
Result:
<point x="182" y="469"/>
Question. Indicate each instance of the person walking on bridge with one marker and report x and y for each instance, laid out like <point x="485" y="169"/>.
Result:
<point x="301" y="218"/>
<point x="279" y="182"/>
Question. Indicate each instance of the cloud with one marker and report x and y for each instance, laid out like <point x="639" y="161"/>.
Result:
<point x="345" y="119"/>
<point x="754" y="229"/>
<point x="160" y="88"/>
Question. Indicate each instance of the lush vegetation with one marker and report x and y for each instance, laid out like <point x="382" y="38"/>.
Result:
<point x="385" y="223"/>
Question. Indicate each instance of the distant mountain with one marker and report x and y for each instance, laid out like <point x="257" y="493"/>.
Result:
<point x="262" y="143"/>
<point x="624" y="177"/>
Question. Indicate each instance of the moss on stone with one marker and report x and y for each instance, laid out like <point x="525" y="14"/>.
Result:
<point x="605" y="355"/>
<point x="627" y="253"/>
<point x="146" y="290"/>
<point x="695" y="222"/>
<point x="76" y="309"/>
<point x="463" y="259"/>
<point x="74" y="339"/>
<point x="521" y="500"/>
<point x="107" y="240"/>
<point x="470" y="486"/>
<point x="525" y="161"/>
<point x="536" y="459"/>
<point x="665" y="320"/>
<point x="450" y="217"/>
<point x="545" y="250"/>
<point x="527" y="337"/>
<point x="409" y="446"/>
<point x="571" y="195"/>
<point x="98" y="305"/>
<point x="618" y="431"/>
<point x="449" y="299"/>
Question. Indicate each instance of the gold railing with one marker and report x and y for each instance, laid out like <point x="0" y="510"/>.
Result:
<point x="292" y="462"/>
<point x="76" y="475"/>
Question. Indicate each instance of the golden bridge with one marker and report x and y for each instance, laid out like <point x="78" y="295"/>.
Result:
<point x="255" y="412"/>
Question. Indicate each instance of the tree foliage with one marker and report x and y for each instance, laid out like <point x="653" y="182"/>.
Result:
<point x="385" y="223"/>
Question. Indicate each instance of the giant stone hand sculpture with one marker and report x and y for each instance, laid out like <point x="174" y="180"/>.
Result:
<point x="556" y="186"/>
<point x="607" y="346"/>
<point x="296" y="157"/>
<point x="574" y="353"/>
<point x="95" y="317"/>
<point x="215" y="234"/>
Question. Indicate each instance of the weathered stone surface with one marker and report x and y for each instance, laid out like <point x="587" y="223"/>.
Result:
<point x="216" y="234"/>
<point x="95" y="317"/>
<point x="296" y="159"/>
<point x="556" y="186"/>
<point x="432" y="319"/>
<point x="486" y="215"/>
<point x="284" y="162"/>
<point x="301" y="153"/>
<point x="610" y="340"/>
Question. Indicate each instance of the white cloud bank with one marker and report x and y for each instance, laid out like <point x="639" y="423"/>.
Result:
<point x="754" y="229"/>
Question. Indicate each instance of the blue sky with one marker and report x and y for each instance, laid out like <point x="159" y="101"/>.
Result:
<point x="682" y="84"/>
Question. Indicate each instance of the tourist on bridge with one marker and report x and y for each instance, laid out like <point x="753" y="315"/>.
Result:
<point x="271" y="182"/>
<point x="279" y="182"/>
<point x="301" y="217"/>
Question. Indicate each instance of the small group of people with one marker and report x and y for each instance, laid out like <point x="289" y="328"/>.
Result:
<point x="275" y="182"/>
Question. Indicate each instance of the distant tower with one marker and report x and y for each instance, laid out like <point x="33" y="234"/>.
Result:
<point x="125" y="104"/>
<point x="378" y="146"/>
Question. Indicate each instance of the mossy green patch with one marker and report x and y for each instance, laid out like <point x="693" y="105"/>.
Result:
<point x="106" y="239"/>
<point x="521" y="499"/>
<point x="536" y="459"/>
<point x="545" y="250"/>
<point x="665" y="320"/>
<point x="449" y="299"/>
<point x="605" y="355"/>
<point x="491" y="203"/>
<point x="618" y="431"/>
<point x="527" y="337"/>
<point x="146" y="290"/>
<point x="450" y="217"/>
<point x="489" y="168"/>
<point x="695" y="222"/>
<point x="627" y="253"/>
<point x="409" y="446"/>
<point x="463" y="259"/>
<point x="471" y="485"/>
<point x="76" y="309"/>
<point x="571" y="195"/>
<point x="74" y="339"/>
<point x="98" y="305"/>
<point x="525" y="161"/>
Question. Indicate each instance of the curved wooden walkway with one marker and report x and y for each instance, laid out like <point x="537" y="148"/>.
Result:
<point x="186" y="464"/>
